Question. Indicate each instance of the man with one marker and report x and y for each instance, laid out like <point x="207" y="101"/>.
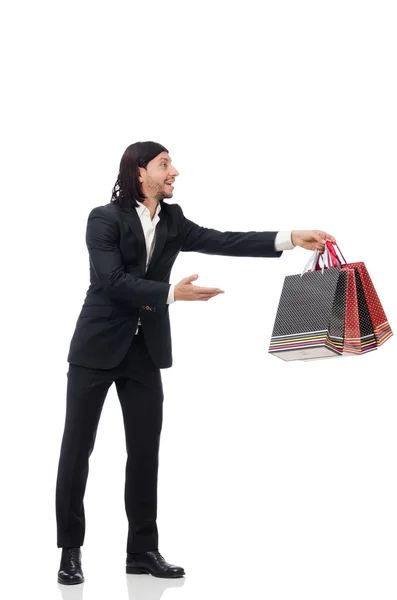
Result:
<point x="123" y="336"/>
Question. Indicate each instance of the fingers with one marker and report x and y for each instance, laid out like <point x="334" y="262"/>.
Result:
<point x="313" y="239"/>
<point x="190" y="278"/>
<point x="323" y="236"/>
<point x="207" y="291"/>
<point x="320" y="238"/>
<point x="205" y="298"/>
<point x="330" y="237"/>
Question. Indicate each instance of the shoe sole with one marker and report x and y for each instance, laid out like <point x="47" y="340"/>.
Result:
<point x="71" y="582"/>
<point x="137" y="571"/>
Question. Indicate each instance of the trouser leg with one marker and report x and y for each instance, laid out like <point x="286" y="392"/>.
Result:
<point x="86" y="393"/>
<point x="141" y="397"/>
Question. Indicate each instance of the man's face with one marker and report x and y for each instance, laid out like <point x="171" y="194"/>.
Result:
<point x="156" y="180"/>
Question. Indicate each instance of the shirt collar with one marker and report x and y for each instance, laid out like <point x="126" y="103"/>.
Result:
<point x="142" y="208"/>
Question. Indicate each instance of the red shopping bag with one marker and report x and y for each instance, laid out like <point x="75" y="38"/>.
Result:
<point x="358" y="335"/>
<point x="352" y="339"/>
<point x="372" y="317"/>
<point x="359" y="331"/>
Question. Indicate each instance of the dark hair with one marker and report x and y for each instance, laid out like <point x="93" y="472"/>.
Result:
<point x="127" y="189"/>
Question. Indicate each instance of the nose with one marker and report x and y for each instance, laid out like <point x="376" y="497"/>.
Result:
<point x="174" y="172"/>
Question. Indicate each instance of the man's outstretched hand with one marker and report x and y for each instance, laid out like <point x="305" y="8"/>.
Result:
<point x="185" y="290"/>
<point x="311" y="239"/>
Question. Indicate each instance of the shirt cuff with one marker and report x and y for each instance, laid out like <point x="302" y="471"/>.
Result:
<point x="283" y="241"/>
<point x="171" y="299"/>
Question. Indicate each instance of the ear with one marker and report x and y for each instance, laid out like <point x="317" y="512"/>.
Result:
<point x="140" y="170"/>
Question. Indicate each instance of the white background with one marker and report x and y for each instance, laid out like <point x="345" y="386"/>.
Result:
<point x="277" y="480"/>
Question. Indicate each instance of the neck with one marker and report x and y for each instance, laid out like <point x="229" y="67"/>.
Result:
<point x="151" y="204"/>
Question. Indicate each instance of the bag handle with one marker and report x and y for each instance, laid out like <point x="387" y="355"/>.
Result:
<point x="329" y="259"/>
<point x="331" y="249"/>
<point x="311" y="264"/>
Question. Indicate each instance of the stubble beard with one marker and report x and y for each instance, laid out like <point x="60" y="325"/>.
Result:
<point x="157" y="191"/>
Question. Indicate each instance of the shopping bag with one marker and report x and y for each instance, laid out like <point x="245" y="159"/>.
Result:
<point x="372" y="315"/>
<point x="352" y="334"/>
<point x="310" y="318"/>
<point x="358" y="335"/>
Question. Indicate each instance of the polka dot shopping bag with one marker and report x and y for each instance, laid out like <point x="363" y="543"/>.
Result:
<point x="310" y="318"/>
<point x="374" y="327"/>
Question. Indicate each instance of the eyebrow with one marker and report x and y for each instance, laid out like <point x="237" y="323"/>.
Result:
<point x="165" y="158"/>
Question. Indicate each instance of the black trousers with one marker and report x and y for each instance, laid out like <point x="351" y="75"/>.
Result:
<point x="140" y="391"/>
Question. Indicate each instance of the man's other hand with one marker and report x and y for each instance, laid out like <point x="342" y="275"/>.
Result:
<point x="185" y="290"/>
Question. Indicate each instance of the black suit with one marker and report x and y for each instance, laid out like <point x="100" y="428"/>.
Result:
<point x="104" y="350"/>
<point x="121" y="291"/>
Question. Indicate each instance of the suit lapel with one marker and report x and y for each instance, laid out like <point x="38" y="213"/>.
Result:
<point x="133" y="220"/>
<point x="160" y="238"/>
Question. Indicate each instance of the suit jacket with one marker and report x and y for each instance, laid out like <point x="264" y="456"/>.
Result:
<point x="121" y="291"/>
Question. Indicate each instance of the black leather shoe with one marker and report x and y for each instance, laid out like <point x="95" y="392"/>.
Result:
<point x="152" y="563"/>
<point x="70" y="571"/>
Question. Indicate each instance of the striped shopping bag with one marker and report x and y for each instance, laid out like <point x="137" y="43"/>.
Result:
<point x="310" y="318"/>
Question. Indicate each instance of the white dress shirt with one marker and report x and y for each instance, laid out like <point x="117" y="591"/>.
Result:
<point x="282" y="241"/>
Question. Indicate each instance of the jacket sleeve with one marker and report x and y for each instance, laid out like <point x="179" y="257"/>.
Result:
<point x="227" y="243"/>
<point x="102" y="239"/>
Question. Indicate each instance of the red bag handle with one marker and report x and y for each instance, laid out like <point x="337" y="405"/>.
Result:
<point x="332" y="252"/>
<point x="332" y="257"/>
